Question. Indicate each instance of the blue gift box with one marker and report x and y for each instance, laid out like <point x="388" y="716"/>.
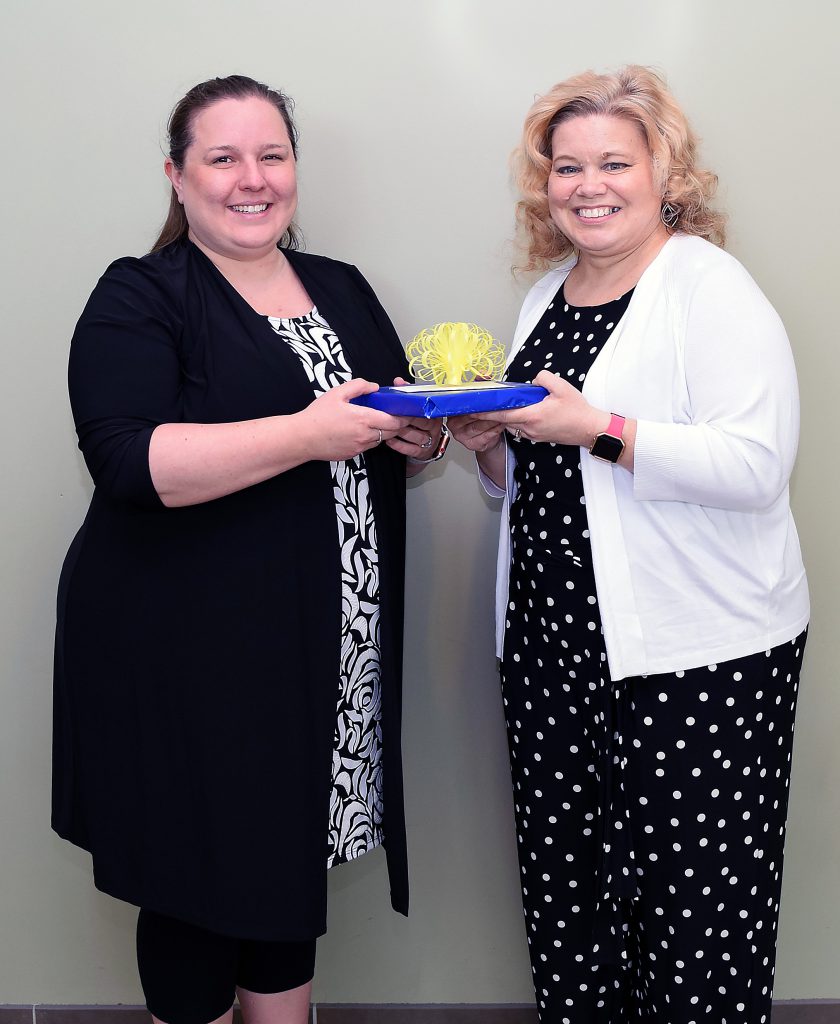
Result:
<point x="432" y="401"/>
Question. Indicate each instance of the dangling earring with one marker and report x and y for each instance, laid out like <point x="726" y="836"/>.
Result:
<point x="669" y="214"/>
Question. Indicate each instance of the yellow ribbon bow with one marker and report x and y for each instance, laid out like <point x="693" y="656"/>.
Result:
<point x="453" y="353"/>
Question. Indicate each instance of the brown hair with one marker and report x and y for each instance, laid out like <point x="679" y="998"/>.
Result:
<point x="180" y="133"/>
<point x="641" y="96"/>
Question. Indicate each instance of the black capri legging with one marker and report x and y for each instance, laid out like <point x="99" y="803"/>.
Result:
<point x="190" y="975"/>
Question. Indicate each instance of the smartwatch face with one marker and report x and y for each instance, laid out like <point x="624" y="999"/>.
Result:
<point x="607" y="447"/>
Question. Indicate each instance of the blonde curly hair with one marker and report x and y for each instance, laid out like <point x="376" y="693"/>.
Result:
<point x="641" y="96"/>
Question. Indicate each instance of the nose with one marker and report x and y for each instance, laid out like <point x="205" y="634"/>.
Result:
<point x="592" y="183"/>
<point x="251" y="176"/>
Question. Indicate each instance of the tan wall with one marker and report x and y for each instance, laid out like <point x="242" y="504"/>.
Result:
<point x="408" y="113"/>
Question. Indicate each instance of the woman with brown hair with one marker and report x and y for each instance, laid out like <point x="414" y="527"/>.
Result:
<point x="229" y="644"/>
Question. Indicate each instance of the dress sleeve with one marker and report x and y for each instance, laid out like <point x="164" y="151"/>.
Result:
<point x="737" y="448"/>
<point x="125" y="378"/>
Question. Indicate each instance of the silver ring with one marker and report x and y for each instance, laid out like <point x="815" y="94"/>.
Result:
<point x="517" y="433"/>
<point x="380" y="436"/>
<point x="427" y="443"/>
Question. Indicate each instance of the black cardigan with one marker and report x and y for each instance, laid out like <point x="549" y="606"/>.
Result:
<point x="198" y="648"/>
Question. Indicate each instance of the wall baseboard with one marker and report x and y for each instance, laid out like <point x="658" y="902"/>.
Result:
<point x="786" y="1011"/>
<point x="806" y="1011"/>
<point x="434" y="1013"/>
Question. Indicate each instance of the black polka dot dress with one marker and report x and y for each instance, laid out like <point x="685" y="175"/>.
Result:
<point x="650" y="811"/>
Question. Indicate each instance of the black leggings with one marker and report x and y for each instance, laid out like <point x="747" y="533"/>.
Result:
<point x="190" y="975"/>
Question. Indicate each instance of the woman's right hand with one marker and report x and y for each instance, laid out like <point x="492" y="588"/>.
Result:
<point x="477" y="435"/>
<point x="335" y="430"/>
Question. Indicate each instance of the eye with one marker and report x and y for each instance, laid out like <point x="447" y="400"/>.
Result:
<point x="566" y="169"/>
<point x="223" y="159"/>
<point x="615" y="165"/>
<point x="278" y="157"/>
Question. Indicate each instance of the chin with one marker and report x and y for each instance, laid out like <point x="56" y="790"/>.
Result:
<point x="266" y="241"/>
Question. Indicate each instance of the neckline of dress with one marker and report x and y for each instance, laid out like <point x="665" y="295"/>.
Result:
<point x="291" y="319"/>
<point x="624" y="297"/>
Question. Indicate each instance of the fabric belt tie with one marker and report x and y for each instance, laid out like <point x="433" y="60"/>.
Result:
<point x="617" y="883"/>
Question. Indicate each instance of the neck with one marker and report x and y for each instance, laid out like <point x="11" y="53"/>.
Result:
<point x="262" y="268"/>
<point x="598" y="277"/>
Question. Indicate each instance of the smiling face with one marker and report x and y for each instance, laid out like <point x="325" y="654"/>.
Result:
<point x="601" y="189"/>
<point x="238" y="185"/>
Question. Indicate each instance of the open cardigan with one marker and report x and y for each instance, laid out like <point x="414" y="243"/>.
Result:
<point x="197" y="648"/>
<point x="695" y="553"/>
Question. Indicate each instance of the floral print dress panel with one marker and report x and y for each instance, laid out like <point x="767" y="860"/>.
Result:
<point x="355" y="815"/>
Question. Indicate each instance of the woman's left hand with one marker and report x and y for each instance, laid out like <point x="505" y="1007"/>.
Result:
<point x="420" y="438"/>
<point x="564" y="416"/>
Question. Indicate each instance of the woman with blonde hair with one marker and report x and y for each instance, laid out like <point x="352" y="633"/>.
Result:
<point x="652" y="604"/>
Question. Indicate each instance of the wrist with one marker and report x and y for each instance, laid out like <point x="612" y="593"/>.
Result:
<point x="485" y="453"/>
<point x="608" y="445"/>
<point x="296" y="427"/>
<point x="599" y="421"/>
<point x="437" y="452"/>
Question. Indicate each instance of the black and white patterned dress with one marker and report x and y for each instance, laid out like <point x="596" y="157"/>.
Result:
<point x="355" y="816"/>
<point x="650" y="811"/>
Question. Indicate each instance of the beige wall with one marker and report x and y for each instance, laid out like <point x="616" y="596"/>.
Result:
<point x="407" y="113"/>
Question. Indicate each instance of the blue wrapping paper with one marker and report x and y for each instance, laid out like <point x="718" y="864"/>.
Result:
<point x="432" y="401"/>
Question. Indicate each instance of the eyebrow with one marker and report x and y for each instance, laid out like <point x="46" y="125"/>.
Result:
<point x="604" y="156"/>
<point x="235" y="149"/>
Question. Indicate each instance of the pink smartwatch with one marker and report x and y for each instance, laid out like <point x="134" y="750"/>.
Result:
<point x="608" y="445"/>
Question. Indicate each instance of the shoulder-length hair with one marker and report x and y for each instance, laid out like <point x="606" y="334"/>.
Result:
<point x="180" y="134"/>
<point x="641" y="96"/>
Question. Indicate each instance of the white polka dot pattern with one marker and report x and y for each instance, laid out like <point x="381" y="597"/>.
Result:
<point x="651" y="811"/>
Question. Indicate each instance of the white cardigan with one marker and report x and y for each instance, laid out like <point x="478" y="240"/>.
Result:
<point x="695" y="553"/>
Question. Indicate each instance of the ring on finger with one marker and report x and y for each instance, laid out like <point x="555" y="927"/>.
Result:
<point x="427" y="443"/>
<point x="380" y="436"/>
<point x="517" y="433"/>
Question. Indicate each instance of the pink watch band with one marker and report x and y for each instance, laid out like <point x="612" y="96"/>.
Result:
<point x="616" y="427"/>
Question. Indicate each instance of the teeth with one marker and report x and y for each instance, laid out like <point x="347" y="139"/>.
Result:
<point x="251" y="209"/>
<point x="600" y="211"/>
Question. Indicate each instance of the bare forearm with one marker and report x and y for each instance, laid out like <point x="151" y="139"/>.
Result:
<point x="492" y="462"/>
<point x="195" y="462"/>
